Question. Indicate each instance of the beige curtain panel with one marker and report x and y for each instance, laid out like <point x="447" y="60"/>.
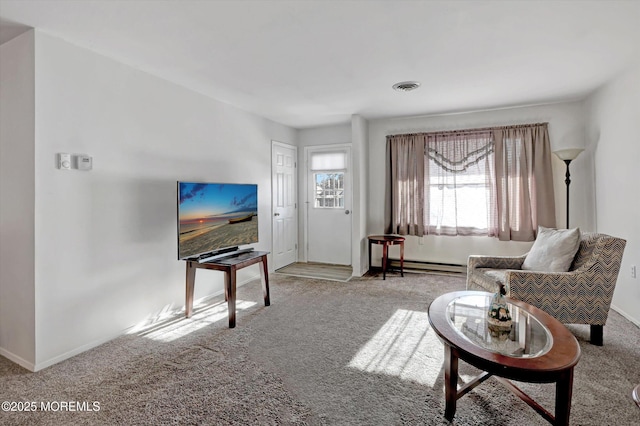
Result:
<point x="405" y="185"/>
<point x="494" y="181"/>
<point x="524" y="181"/>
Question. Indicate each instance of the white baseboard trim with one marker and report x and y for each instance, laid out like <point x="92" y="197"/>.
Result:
<point x="626" y="315"/>
<point x="44" y="364"/>
<point x="17" y="359"/>
<point x="41" y="365"/>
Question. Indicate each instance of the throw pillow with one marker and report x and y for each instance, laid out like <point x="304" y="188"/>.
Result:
<point x="553" y="250"/>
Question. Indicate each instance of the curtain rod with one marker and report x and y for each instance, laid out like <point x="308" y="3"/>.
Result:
<point x="480" y="129"/>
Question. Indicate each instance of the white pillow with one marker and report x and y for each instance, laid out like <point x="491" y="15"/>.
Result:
<point x="553" y="250"/>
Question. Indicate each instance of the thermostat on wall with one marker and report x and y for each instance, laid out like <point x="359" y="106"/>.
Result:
<point x="64" y="161"/>
<point x="84" y="162"/>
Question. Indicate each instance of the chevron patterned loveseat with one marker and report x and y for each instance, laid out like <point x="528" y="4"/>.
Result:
<point x="580" y="296"/>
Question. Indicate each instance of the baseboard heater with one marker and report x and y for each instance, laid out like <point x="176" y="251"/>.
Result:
<point x="421" y="265"/>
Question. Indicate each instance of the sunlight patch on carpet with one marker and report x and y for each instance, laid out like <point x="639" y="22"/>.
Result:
<point x="405" y="347"/>
<point x="172" y="326"/>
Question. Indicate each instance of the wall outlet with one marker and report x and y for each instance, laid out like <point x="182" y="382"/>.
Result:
<point x="633" y="271"/>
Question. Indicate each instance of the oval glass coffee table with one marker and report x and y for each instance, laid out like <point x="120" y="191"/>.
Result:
<point x="537" y="349"/>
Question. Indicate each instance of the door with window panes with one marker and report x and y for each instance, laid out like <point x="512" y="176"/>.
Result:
<point x="328" y="205"/>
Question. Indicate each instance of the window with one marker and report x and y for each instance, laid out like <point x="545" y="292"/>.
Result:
<point x="460" y="200"/>
<point x="329" y="190"/>
<point x="495" y="182"/>
<point x="328" y="177"/>
<point x="458" y="184"/>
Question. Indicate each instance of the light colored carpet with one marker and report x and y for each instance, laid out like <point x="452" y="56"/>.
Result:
<point x="318" y="270"/>
<point x="323" y="353"/>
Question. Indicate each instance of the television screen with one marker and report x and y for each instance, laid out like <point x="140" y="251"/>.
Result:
<point x="215" y="216"/>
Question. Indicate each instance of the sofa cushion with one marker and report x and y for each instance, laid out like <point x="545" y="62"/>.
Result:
<point x="553" y="250"/>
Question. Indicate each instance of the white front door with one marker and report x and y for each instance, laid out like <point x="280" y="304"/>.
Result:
<point x="284" y="202"/>
<point x="329" y="205"/>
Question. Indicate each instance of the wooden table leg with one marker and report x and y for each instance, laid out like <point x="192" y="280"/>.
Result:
<point x="385" y="257"/>
<point x="231" y="290"/>
<point x="264" y="277"/>
<point x="402" y="258"/>
<point x="370" y="255"/>
<point x="190" y="283"/>
<point x="564" y="390"/>
<point x="226" y="286"/>
<point x="450" y="382"/>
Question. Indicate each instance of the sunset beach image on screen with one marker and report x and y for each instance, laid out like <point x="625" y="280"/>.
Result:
<point x="214" y="216"/>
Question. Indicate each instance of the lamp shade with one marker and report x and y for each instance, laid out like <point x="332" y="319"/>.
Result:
<point x="568" y="154"/>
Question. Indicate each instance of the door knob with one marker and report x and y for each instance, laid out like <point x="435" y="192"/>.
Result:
<point x="276" y="214"/>
<point x="347" y="212"/>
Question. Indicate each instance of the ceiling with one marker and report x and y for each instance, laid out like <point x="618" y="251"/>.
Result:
<point x="314" y="63"/>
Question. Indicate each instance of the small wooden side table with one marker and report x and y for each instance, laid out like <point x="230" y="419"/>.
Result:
<point x="229" y="265"/>
<point x="386" y="241"/>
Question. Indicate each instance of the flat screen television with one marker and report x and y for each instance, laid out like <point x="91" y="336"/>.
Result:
<point x="215" y="218"/>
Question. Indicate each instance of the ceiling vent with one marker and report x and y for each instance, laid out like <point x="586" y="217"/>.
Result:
<point x="406" y="86"/>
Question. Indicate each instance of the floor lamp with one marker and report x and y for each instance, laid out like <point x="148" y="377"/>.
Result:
<point x="568" y="155"/>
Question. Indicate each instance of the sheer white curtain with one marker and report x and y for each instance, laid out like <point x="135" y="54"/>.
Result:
<point x="459" y="186"/>
<point x="495" y="182"/>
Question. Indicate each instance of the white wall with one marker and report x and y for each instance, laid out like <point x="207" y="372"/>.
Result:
<point x="360" y="154"/>
<point x="17" y="195"/>
<point x="612" y="118"/>
<point x="105" y="240"/>
<point x="566" y="130"/>
<point x="327" y="135"/>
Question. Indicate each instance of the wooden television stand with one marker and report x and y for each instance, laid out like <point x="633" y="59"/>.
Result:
<point x="229" y="265"/>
